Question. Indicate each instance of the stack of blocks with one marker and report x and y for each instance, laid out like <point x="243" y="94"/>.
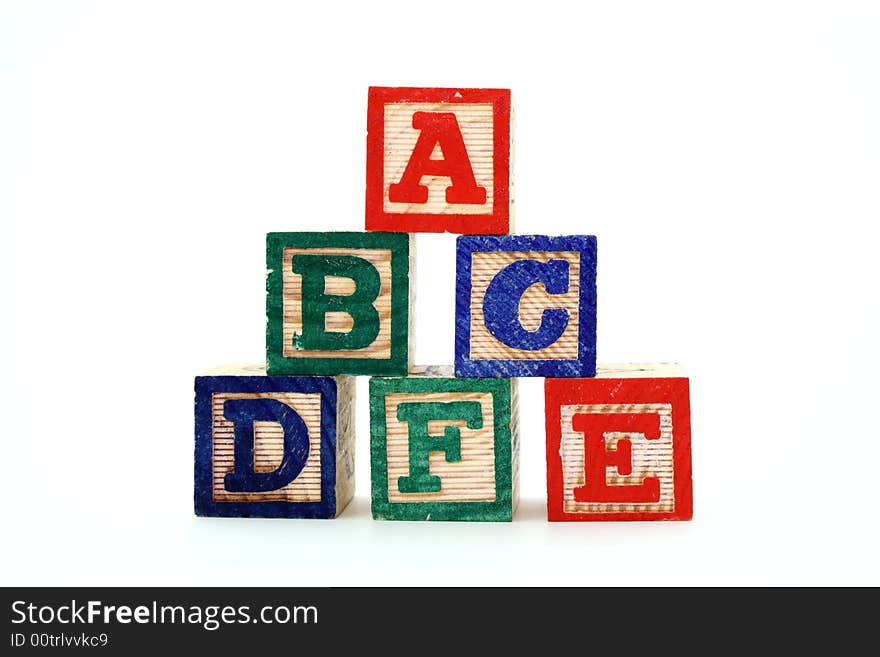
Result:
<point x="444" y="445"/>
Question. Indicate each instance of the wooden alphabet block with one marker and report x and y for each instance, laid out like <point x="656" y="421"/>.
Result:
<point x="337" y="303"/>
<point x="438" y="160"/>
<point x="273" y="446"/>
<point x="525" y="306"/>
<point x="619" y="445"/>
<point x="443" y="448"/>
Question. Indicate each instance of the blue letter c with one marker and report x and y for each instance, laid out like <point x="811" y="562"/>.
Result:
<point x="501" y="303"/>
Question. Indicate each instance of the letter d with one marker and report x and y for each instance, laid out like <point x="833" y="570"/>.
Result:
<point x="243" y="413"/>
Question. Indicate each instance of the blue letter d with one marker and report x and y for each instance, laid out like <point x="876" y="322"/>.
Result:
<point x="243" y="413"/>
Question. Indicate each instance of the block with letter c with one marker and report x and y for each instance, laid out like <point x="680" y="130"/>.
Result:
<point x="525" y="306"/>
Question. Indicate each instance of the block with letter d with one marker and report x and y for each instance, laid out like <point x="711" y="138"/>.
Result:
<point x="619" y="445"/>
<point x="337" y="303"/>
<point x="525" y="306"/>
<point x="438" y="160"/>
<point x="273" y="446"/>
<point x="443" y="448"/>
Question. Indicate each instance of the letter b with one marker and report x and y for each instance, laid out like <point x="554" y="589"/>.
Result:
<point x="314" y="270"/>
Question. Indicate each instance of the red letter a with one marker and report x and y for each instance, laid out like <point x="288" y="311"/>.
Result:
<point x="437" y="128"/>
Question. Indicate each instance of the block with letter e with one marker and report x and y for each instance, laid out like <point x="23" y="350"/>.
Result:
<point x="525" y="306"/>
<point x="443" y="448"/>
<point x="337" y="303"/>
<point x="273" y="446"/>
<point x="438" y="160"/>
<point x="619" y="445"/>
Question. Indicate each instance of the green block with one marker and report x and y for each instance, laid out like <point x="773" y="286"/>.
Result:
<point x="443" y="448"/>
<point x="337" y="303"/>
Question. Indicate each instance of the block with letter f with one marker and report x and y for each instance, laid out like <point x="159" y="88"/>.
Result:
<point x="443" y="448"/>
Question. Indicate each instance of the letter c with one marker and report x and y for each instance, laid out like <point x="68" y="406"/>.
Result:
<point x="501" y="303"/>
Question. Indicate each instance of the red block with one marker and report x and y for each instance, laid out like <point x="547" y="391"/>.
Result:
<point x="619" y="445"/>
<point x="438" y="160"/>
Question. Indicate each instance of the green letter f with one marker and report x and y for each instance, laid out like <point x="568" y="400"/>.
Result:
<point x="421" y="443"/>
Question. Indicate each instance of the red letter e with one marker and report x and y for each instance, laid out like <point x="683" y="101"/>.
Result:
<point x="597" y="457"/>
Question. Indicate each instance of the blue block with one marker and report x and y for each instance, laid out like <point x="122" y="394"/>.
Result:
<point x="273" y="446"/>
<point x="525" y="306"/>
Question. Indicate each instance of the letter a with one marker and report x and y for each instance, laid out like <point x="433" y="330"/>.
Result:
<point x="438" y="128"/>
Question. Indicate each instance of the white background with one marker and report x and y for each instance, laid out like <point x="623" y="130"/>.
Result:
<point x="725" y="154"/>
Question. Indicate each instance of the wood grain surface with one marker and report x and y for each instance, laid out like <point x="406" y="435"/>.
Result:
<point x="514" y="443"/>
<point x="651" y="478"/>
<point x="268" y="448"/>
<point x="650" y="458"/>
<point x="485" y="346"/>
<point x="336" y="321"/>
<point x="345" y="441"/>
<point x="472" y="479"/>
<point x="475" y="121"/>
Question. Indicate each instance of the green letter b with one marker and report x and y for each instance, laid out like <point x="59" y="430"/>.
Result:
<point x="314" y="269"/>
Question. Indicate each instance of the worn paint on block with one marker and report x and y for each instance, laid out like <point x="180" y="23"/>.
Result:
<point x="443" y="448"/>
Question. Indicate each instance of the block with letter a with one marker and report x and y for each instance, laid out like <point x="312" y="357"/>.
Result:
<point x="337" y="303"/>
<point x="619" y="445"/>
<point x="438" y="160"/>
<point x="273" y="446"/>
<point x="443" y="448"/>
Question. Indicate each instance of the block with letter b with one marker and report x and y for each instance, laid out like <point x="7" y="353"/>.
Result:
<point x="619" y="445"/>
<point x="443" y="448"/>
<point x="525" y="306"/>
<point x="438" y="160"/>
<point x="337" y="303"/>
<point x="273" y="446"/>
